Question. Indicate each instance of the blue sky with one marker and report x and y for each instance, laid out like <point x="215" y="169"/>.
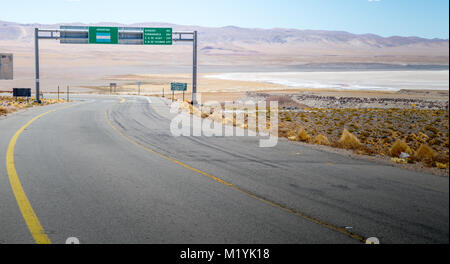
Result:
<point x="424" y="18"/>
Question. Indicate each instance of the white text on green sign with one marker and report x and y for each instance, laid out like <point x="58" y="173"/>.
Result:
<point x="178" y="87"/>
<point x="157" y="36"/>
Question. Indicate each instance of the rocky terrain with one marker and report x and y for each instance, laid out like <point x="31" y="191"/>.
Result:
<point x="364" y="102"/>
<point x="295" y="101"/>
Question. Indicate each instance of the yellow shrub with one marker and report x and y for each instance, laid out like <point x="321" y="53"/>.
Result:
<point x="2" y="110"/>
<point x="400" y="147"/>
<point x="303" y="135"/>
<point x="424" y="153"/>
<point x="399" y="161"/>
<point x="292" y="135"/>
<point x="321" y="140"/>
<point x="441" y="165"/>
<point x="423" y="137"/>
<point x="350" y="141"/>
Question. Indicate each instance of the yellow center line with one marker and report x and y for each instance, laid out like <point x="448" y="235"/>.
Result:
<point x="32" y="221"/>
<point x="341" y="230"/>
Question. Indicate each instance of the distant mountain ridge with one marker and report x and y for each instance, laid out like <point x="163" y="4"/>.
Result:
<point x="15" y="31"/>
<point x="236" y="45"/>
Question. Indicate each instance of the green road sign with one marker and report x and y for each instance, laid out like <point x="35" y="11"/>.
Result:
<point x="103" y="35"/>
<point x="178" y="87"/>
<point x="157" y="36"/>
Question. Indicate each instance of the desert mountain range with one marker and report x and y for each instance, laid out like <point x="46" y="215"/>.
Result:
<point x="292" y="46"/>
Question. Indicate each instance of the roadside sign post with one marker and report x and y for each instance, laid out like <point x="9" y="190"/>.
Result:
<point x="180" y="87"/>
<point x="112" y="87"/>
<point x="194" y="72"/>
<point x="36" y="56"/>
<point x="121" y="36"/>
<point x="58" y="92"/>
<point x="67" y="93"/>
<point x="139" y="88"/>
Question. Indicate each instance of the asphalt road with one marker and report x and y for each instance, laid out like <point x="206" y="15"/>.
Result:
<point x="108" y="170"/>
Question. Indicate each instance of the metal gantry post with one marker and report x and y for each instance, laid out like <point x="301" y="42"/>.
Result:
<point x="194" y="72"/>
<point x="36" y="56"/>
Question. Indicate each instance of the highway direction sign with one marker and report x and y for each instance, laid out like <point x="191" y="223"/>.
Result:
<point x="118" y="35"/>
<point x="121" y="36"/>
<point x="181" y="87"/>
<point x="103" y="35"/>
<point x="157" y="36"/>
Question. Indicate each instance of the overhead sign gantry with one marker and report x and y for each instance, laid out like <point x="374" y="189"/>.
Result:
<point x="117" y="36"/>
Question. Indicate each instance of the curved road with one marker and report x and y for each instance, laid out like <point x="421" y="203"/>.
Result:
<point x="108" y="170"/>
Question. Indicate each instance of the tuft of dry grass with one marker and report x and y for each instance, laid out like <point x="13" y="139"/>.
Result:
<point x="321" y="140"/>
<point x="349" y="141"/>
<point x="425" y="153"/>
<point x="292" y="135"/>
<point x="400" y="147"/>
<point x="292" y="138"/>
<point x="3" y="110"/>
<point x="303" y="135"/>
<point x="399" y="161"/>
<point x="441" y="166"/>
